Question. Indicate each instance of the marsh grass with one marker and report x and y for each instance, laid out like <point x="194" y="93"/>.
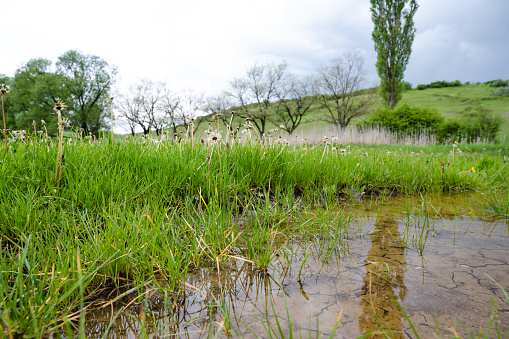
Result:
<point x="127" y="214"/>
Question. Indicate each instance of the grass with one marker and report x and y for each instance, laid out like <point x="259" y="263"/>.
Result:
<point x="124" y="215"/>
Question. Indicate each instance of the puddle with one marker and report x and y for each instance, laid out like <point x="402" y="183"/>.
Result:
<point x="439" y="277"/>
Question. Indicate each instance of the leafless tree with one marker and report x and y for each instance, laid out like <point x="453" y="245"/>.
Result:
<point x="151" y="103"/>
<point x="342" y="86"/>
<point x="221" y="105"/>
<point x="190" y="109"/>
<point x="296" y="97"/>
<point x="129" y="106"/>
<point x="170" y="101"/>
<point x="253" y="93"/>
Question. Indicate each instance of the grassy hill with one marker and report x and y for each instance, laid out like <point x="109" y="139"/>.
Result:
<point x="450" y="101"/>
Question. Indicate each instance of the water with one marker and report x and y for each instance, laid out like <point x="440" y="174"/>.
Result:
<point x="434" y="255"/>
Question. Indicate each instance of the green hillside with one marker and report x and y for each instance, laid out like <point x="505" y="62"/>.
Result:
<point x="450" y="101"/>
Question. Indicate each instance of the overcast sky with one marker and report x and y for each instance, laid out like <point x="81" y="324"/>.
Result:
<point x="203" y="44"/>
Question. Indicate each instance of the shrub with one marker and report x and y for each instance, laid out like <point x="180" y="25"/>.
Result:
<point x="407" y="86"/>
<point x="449" y="131"/>
<point x="405" y="120"/>
<point x="478" y="123"/>
<point x="440" y="84"/>
<point x="502" y="92"/>
<point x="498" y="83"/>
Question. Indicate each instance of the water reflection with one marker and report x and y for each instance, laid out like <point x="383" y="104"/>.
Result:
<point x="355" y="271"/>
<point x="385" y="272"/>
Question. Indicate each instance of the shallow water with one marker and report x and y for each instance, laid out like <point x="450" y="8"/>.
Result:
<point x="440" y="278"/>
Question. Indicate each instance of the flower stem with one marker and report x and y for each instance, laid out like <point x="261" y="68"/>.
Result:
<point x="5" y="125"/>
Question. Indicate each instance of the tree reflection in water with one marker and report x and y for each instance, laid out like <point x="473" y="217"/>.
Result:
<point x="385" y="273"/>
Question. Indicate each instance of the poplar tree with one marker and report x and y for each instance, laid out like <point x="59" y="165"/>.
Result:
<point x="393" y="36"/>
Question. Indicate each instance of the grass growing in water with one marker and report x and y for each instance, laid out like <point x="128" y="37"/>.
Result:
<point x="126" y="215"/>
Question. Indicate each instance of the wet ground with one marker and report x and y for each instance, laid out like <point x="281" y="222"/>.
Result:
<point x="436" y="256"/>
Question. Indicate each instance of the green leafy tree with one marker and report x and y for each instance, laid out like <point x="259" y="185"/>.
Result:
<point x="34" y="91"/>
<point x="88" y="80"/>
<point x="393" y="36"/>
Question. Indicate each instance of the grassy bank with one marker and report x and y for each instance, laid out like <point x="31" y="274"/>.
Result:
<point x="137" y="216"/>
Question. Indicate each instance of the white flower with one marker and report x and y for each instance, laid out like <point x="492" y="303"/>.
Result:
<point x="214" y="138"/>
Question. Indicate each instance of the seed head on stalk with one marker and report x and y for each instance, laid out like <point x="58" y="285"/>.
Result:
<point x="4" y="91"/>
<point x="59" y="106"/>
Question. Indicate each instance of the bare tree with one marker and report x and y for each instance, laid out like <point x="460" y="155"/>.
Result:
<point x="152" y="93"/>
<point x="341" y="85"/>
<point x="296" y="97"/>
<point x="188" y="110"/>
<point x="221" y="104"/>
<point x="170" y="101"/>
<point x="253" y="93"/>
<point x="130" y="108"/>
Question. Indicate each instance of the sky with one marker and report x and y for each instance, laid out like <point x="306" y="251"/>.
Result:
<point x="204" y="44"/>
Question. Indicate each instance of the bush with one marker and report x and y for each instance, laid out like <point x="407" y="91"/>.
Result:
<point x="498" y="83"/>
<point x="440" y="84"/>
<point x="478" y="123"/>
<point x="407" y="86"/>
<point x="405" y="120"/>
<point x="449" y="131"/>
<point x="502" y="92"/>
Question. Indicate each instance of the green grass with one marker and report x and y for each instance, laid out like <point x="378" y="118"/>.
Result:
<point x="123" y="216"/>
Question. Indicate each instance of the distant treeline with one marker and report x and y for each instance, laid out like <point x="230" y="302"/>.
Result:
<point x="440" y="84"/>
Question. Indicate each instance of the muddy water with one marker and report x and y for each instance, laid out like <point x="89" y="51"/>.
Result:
<point x="440" y="277"/>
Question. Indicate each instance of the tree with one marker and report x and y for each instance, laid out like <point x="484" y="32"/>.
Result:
<point x="254" y="92"/>
<point x="341" y="86"/>
<point x="131" y="107"/>
<point x="35" y="89"/>
<point x="221" y="105"/>
<point x="88" y="80"/>
<point x="393" y="36"/>
<point x="296" y="97"/>
<point x="170" y="102"/>
<point x="190" y="103"/>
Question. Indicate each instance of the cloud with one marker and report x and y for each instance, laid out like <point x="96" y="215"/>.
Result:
<point x="204" y="44"/>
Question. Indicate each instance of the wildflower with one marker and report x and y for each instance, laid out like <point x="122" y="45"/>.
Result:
<point x="304" y="148"/>
<point x="473" y="170"/>
<point x="214" y="137"/>
<point x="281" y="127"/>
<point x="43" y="123"/>
<point x="59" y="106"/>
<point x="455" y="142"/>
<point x="3" y="90"/>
